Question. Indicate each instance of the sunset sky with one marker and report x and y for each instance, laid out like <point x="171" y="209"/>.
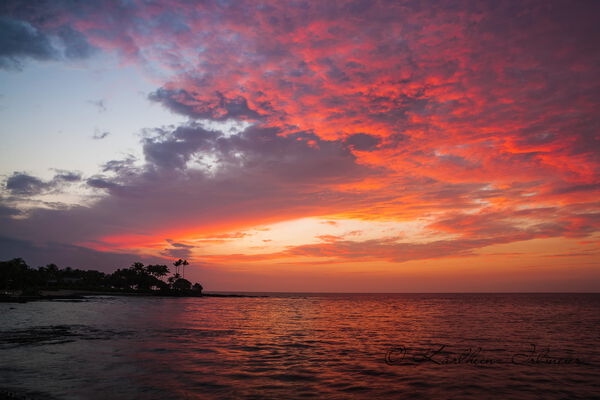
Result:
<point x="355" y="146"/>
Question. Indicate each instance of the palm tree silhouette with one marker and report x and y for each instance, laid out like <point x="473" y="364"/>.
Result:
<point x="181" y="263"/>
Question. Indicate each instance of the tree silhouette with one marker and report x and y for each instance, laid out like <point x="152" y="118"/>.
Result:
<point x="181" y="263"/>
<point x="197" y="287"/>
<point x="16" y="275"/>
<point x="157" y="271"/>
<point x="13" y="274"/>
<point x="182" y="284"/>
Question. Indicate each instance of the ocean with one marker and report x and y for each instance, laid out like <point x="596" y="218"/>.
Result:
<point x="299" y="346"/>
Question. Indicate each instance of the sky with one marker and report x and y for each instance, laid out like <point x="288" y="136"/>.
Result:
<point x="307" y="146"/>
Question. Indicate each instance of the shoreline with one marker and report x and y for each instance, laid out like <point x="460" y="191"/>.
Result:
<point x="85" y="294"/>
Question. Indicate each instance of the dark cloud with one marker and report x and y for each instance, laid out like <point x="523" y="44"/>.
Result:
<point x="177" y="250"/>
<point x="20" y="183"/>
<point x="362" y="142"/>
<point x="100" y="183"/>
<point x="76" y="45"/>
<point x="297" y="156"/>
<point x="257" y="174"/>
<point x="20" y="40"/>
<point x="66" y="176"/>
<point x="176" y="253"/>
<point x="593" y="187"/>
<point x="179" y="245"/>
<point x="190" y="104"/>
<point x="395" y="140"/>
<point x="173" y="149"/>
<point x="120" y="167"/>
<point x="457" y="160"/>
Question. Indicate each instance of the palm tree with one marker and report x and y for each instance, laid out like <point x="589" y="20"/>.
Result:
<point x="181" y="263"/>
<point x="182" y="267"/>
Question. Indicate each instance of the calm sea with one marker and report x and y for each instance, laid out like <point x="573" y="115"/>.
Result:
<point x="338" y="346"/>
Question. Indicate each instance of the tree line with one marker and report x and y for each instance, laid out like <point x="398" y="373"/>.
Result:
<point x="15" y="274"/>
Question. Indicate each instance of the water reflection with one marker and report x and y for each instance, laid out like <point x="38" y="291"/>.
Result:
<point x="331" y="346"/>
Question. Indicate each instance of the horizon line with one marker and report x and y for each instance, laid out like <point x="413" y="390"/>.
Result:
<point x="462" y="292"/>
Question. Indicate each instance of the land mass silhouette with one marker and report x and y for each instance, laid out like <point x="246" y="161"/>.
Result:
<point x="20" y="283"/>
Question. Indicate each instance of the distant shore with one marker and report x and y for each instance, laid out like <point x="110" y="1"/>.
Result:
<point x="49" y="295"/>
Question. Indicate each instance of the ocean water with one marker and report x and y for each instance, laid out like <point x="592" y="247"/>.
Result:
<point x="338" y="346"/>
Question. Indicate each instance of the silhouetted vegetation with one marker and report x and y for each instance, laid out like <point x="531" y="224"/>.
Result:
<point x="17" y="276"/>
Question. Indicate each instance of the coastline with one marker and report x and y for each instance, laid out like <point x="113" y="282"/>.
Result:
<point x="48" y="295"/>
